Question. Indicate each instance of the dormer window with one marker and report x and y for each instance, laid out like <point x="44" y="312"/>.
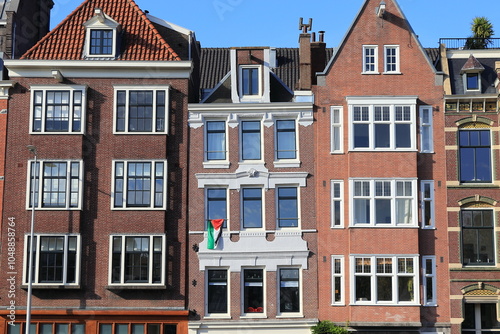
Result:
<point x="472" y="81"/>
<point x="250" y="81"/>
<point x="101" y="36"/>
<point x="101" y="42"/>
<point x="471" y="74"/>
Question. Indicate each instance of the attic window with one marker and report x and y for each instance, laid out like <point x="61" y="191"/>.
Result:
<point x="472" y="81"/>
<point x="101" y="36"/>
<point x="101" y="42"/>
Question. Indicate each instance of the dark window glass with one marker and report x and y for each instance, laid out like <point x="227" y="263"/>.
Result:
<point x="101" y="42"/>
<point x="253" y="300"/>
<point x="361" y="135"/>
<point x="57" y="110"/>
<point x="475" y="156"/>
<point x="289" y="290"/>
<point x="478" y="237"/>
<point x="472" y="81"/>
<point x="140" y="111"/>
<point x="217" y="291"/>
<point x="250" y="81"/>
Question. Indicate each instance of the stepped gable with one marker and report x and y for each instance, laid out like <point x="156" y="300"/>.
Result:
<point x="140" y="40"/>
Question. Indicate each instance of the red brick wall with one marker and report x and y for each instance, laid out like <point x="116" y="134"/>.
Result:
<point x="343" y="79"/>
<point x="96" y="221"/>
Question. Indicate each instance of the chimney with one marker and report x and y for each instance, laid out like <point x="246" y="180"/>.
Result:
<point x="305" y="73"/>
<point x="318" y="57"/>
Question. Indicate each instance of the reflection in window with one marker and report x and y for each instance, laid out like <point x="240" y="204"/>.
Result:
<point x="475" y="156"/>
<point x="478" y="237"/>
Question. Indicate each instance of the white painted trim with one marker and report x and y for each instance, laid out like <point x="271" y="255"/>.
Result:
<point x="235" y="180"/>
<point x="99" y="68"/>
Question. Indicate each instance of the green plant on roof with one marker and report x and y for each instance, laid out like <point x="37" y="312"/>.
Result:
<point x="482" y="31"/>
<point x="328" y="327"/>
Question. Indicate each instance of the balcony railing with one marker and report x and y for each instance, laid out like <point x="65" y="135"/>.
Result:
<point x="470" y="43"/>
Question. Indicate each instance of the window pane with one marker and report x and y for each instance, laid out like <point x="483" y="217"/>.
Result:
<point x="285" y="139"/>
<point x="361" y="211"/>
<point x="287" y="207"/>
<point x="382" y="135"/>
<point x="105" y="329"/>
<point x="253" y="291"/>
<point x="216" y="204"/>
<point x="363" y="288"/>
<point x="252" y="207"/>
<point x="403" y="135"/>
<point x="361" y="135"/>
<point x="251" y="140"/>
<point x="405" y="285"/>
<point x="383" y="211"/>
<point x="216" y="140"/>
<point x="121" y="329"/>
<point x="384" y="288"/>
<point x="289" y="290"/>
<point x="217" y="291"/>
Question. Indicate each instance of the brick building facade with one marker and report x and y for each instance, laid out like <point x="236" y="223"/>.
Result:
<point x="103" y="99"/>
<point x="380" y="180"/>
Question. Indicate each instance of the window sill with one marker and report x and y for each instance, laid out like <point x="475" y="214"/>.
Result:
<point x="474" y="185"/>
<point x="133" y="133"/>
<point x="55" y="209"/>
<point x="216" y="164"/>
<point x="216" y="316"/>
<point x="52" y="286"/>
<point x="138" y="209"/>
<point x="370" y="73"/>
<point x="290" y="315"/>
<point x="386" y="304"/>
<point x="384" y="226"/>
<point x="392" y="73"/>
<point x="56" y="133"/>
<point x="254" y="316"/>
<point x="287" y="164"/>
<point x="388" y="150"/>
<point x="136" y="287"/>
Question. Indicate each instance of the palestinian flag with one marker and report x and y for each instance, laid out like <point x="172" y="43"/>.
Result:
<point x="214" y="232"/>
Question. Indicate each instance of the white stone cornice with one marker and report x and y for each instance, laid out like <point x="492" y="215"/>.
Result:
<point x="99" y="69"/>
<point x="302" y="111"/>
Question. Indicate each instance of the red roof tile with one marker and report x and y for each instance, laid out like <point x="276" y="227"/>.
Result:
<point x="140" y="39"/>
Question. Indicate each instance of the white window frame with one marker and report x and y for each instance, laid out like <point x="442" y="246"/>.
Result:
<point x="429" y="274"/>
<point x="427" y="199"/>
<point x="337" y="199"/>
<point x="263" y="208"/>
<point x="373" y="279"/>
<point x="228" y="303"/>
<point x="127" y="89"/>
<point x="244" y="313"/>
<point x="299" y="211"/>
<point x="465" y="82"/>
<point x="152" y="186"/>
<point x="39" y="184"/>
<point x="227" y="220"/>
<point x="36" y="260"/>
<point x="371" y="197"/>
<point x="101" y="21"/>
<point x="261" y="133"/>
<point x="211" y="163"/>
<point x="71" y="112"/>
<point x="337" y="129"/>
<point x="249" y="98"/>
<point x="368" y="104"/>
<point x="286" y="162"/>
<point x="387" y="64"/>
<point x="375" y="60"/>
<point x="340" y="275"/>
<point x="124" y="237"/>
<point x="301" y="298"/>
<point x="426" y="129"/>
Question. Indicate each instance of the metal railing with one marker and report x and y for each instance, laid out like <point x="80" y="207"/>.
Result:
<point x="470" y="43"/>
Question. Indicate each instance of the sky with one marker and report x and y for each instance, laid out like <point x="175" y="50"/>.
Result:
<point x="275" y="23"/>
